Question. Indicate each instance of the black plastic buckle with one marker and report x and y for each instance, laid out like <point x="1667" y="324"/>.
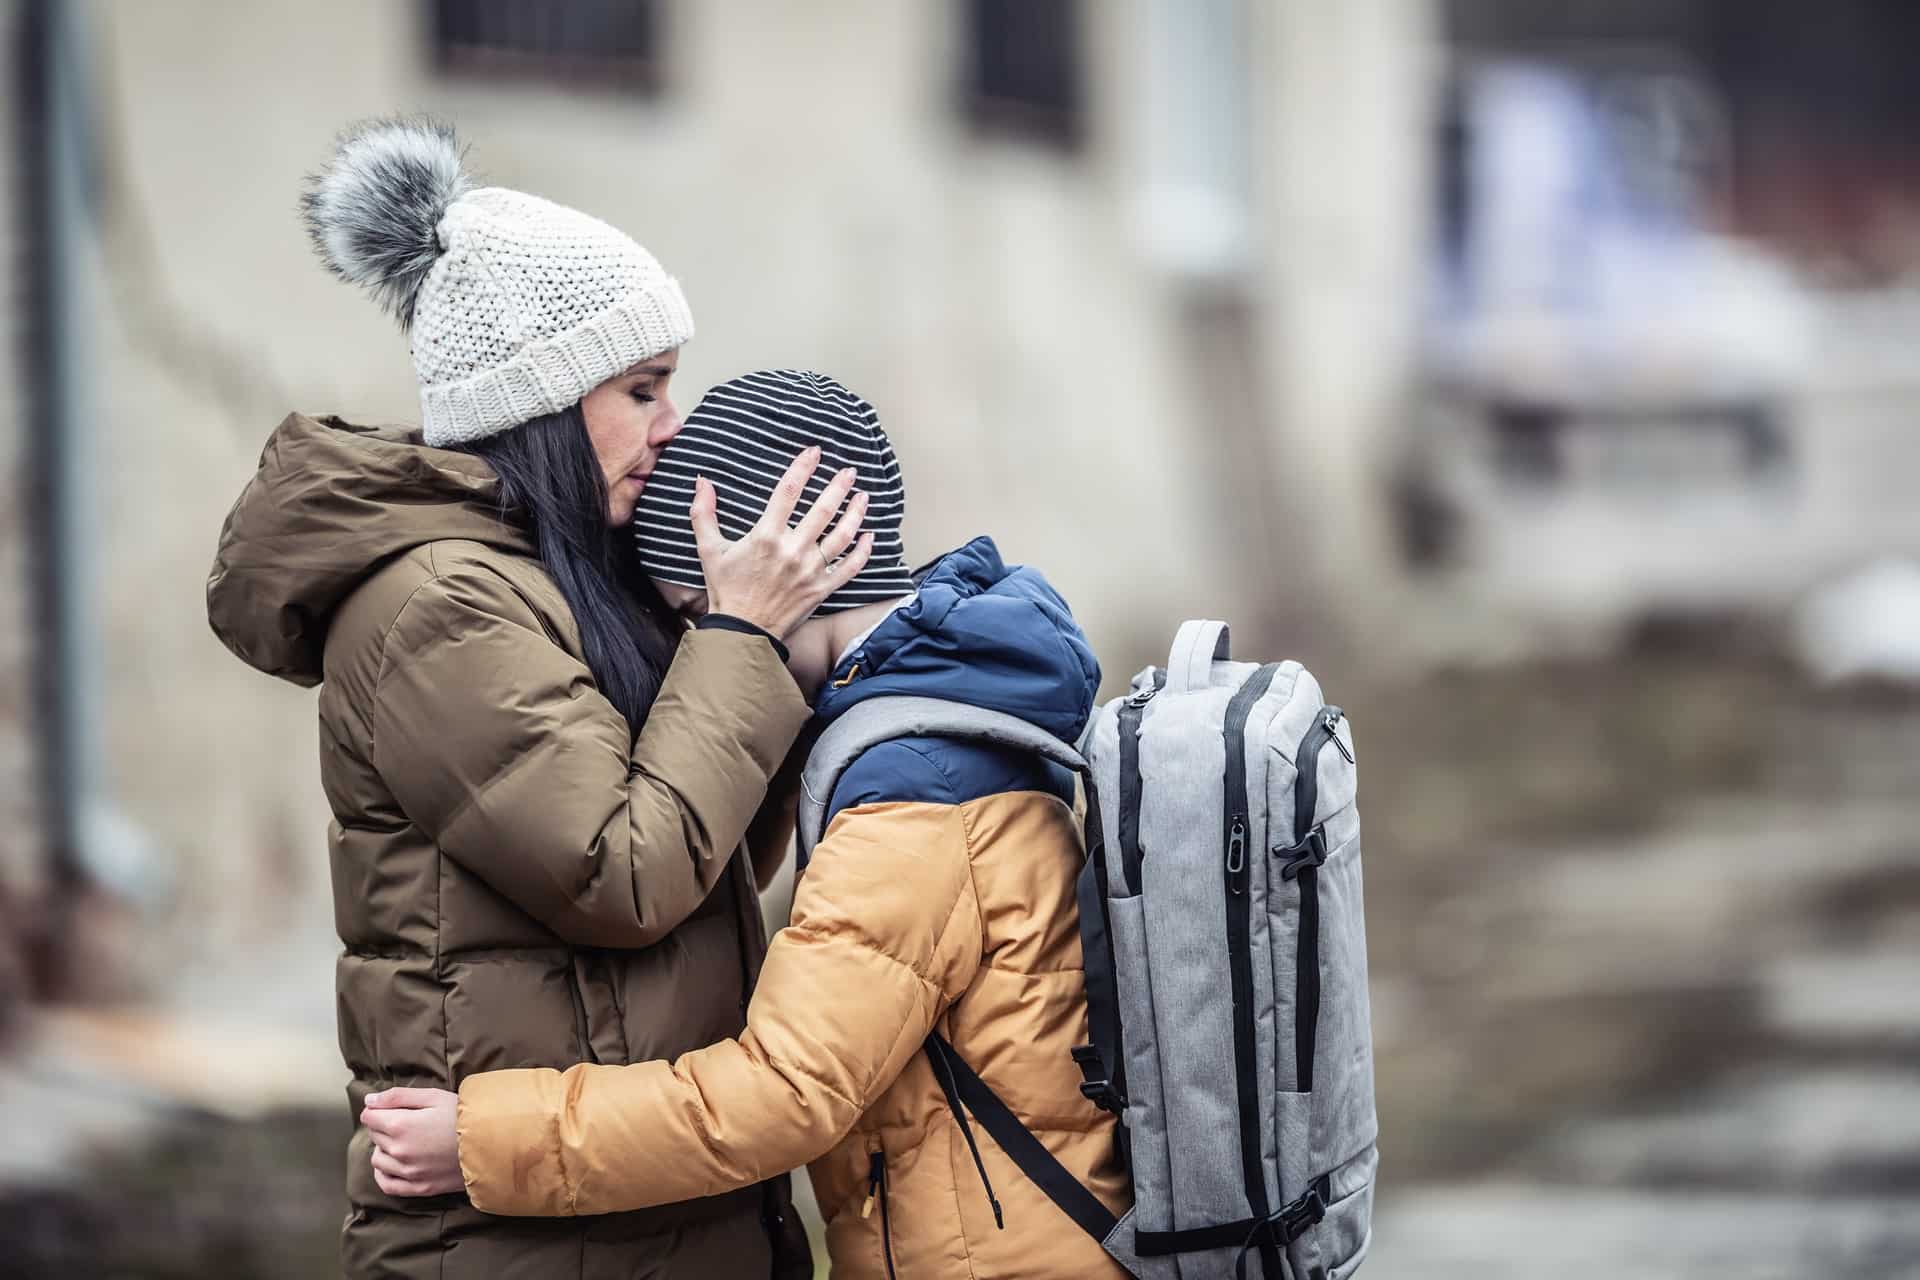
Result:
<point x="1097" y="1087"/>
<point x="1312" y="850"/>
<point x="1296" y="1218"/>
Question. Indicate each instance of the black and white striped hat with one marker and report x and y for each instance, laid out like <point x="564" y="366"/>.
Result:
<point x="742" y="436"/>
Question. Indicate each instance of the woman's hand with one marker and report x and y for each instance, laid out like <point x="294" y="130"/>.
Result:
<point x="416" y="1150"/>
<point x="775" y="577"/>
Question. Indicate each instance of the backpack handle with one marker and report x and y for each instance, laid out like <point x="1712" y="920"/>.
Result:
<point x="1198" y="644"/>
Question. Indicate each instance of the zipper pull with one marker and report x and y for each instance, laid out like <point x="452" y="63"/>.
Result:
<point x="1236" y="852"/>
<point x="1142" y="698"/>
<point x="1331" y="718"/>
<point x="876" y="1170"/>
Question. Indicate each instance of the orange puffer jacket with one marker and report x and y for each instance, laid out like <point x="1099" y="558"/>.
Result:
<point x="940" y="898"/>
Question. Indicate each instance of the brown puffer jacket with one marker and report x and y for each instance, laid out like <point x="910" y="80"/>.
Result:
<point x="513" y="884"/>
<point x="941" y="898"/>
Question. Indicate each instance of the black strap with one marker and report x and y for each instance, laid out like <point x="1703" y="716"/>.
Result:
<point x="1309" y="852"/>
<point x="1130" y="713"/>
<point x="1223" y="1235"/>
<point x="1025" y="1150"/>
<point x="1306" y="962"/>
<point x="1276" y="1231"/>
<point x="942" y="1056"/>
<point x="1287" y="1224"/>
<point x="1101" y="1065"/>
<point x="1249" y="1084"/>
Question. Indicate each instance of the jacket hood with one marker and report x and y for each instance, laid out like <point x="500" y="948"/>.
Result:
<point x="982" y="633"/>
<point x="330" y="504"/>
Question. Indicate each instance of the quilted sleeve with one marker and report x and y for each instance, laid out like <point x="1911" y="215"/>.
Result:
<point x="497" y="744"/>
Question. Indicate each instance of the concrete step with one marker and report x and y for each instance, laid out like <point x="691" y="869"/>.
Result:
<point x="1508" y="1231"/>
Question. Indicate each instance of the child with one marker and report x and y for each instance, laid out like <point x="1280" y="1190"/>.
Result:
<point x="941" y="898"/>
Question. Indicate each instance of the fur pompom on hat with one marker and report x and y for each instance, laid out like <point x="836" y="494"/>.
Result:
<point x="374" y="213"/>
<point x="516" y="307"/>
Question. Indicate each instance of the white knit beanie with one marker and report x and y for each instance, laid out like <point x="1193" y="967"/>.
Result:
<point x="516" y="306"/>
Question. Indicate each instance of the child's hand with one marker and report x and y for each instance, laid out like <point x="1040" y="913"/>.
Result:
<point x="416" y="1150"/>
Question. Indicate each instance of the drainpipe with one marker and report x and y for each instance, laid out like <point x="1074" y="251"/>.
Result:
<point x="87" y="845"/>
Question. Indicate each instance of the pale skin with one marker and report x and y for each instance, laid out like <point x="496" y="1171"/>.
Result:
<point x="416" y="1147"/>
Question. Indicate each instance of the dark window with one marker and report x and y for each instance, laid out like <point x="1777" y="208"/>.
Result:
<point x="1023" y="73"/>
<point x="608" y="42"/>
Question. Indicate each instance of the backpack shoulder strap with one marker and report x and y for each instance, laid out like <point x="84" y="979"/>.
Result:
<point x="879" y="720"/>
<point x="967" y="1092"/>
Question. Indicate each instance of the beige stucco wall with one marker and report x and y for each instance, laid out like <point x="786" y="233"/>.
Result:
<point x="807" y="177"/>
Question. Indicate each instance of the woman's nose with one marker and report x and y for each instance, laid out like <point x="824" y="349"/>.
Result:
<point x="665" y="427"/>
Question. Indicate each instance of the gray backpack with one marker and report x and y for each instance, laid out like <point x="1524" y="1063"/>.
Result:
<point x="1225" y="945"/>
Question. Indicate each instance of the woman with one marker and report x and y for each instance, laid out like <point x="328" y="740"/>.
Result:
<point x="538" y="783"/>
<point x="941" y="899"/>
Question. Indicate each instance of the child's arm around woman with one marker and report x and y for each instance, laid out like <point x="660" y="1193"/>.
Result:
<point x="886" y="933"/>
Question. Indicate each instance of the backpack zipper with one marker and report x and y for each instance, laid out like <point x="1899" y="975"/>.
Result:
<point x="1330" y="720"/>
<point x="1306" y="792"/>
<point x="1309" y="851"/>
<point x="1237" y="854"/>
<point x="877" y="1190"/>
<point x="1239" y="944"/>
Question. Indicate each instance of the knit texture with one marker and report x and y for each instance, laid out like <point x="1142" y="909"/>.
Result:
<point x="516" y="306"/>
<point x="530" y="307"/>
<point x="742" y="436"/>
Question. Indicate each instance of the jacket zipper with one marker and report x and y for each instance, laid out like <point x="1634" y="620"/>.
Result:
<point x="877" y="1190"/>
<point x="1308" y="851"/>
<point x="579" y="1009"/>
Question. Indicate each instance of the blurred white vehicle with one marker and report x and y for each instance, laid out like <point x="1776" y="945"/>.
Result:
<point x="1577" y="277"/>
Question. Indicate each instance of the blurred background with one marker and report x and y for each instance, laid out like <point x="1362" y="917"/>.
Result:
<point x="1540" y="373"/>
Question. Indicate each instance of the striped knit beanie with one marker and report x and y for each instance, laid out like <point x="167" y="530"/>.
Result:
<point x="742" y="436"/>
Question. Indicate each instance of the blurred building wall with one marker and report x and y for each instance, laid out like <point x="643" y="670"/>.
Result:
<point x="1144" y="427"/>
<point x="1344" y="120"/>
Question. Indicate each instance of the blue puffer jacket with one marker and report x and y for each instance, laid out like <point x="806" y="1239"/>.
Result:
<point x="981" y="633"/>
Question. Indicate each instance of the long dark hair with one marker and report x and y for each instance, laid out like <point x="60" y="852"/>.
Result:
<point x="551" y="483"/>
